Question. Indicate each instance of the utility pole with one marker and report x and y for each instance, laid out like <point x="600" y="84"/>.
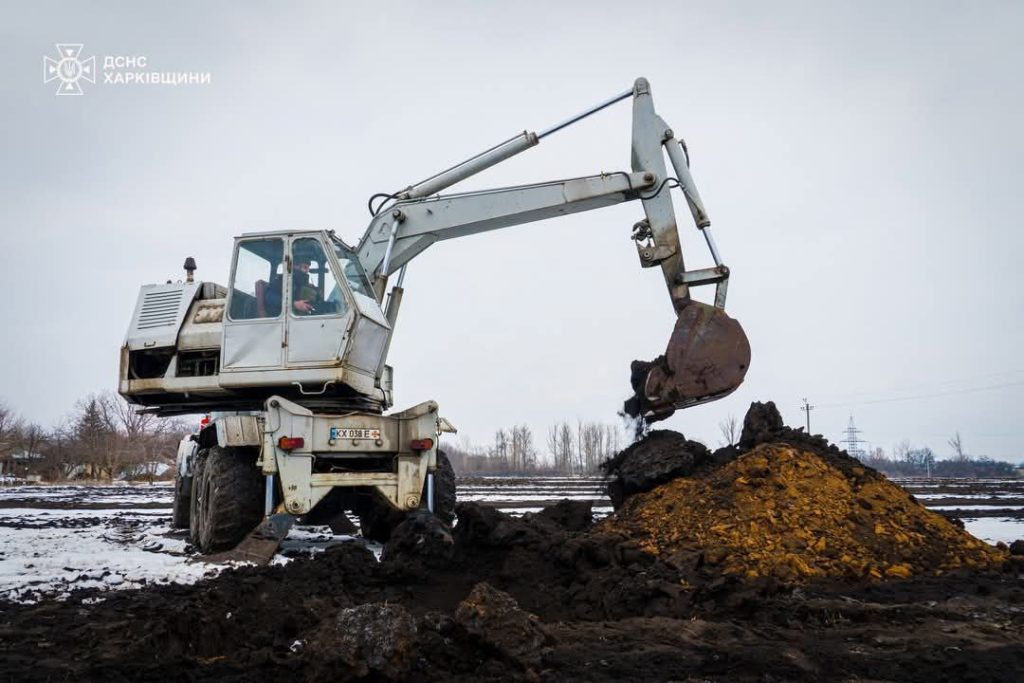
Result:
<point x="807" y="408"/>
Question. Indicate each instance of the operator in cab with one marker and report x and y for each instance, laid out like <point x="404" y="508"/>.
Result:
<point x="314" y="291"/>
<point x="304" y="294"/>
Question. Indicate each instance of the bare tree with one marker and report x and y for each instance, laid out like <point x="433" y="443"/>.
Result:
<point x="61" y="458"/>
<point x="125" y="418"/>
<point x="523" y="456"/>
<point x="901" y="452"/>
<point x="562" y="445"/>
<point x="11" y="426"/>
<point x="957" y="444"/>
<point x="499" y="451"/>
<point x="876" y="458"/>
<point x="590" y="440"/>
<point x="552" y="444"/>
<point x="32" y="439"/>
<point x="612" y="442"/>
<point x="730" y="429"/>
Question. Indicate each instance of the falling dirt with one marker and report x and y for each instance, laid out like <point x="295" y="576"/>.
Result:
<point x="551" y="596"/>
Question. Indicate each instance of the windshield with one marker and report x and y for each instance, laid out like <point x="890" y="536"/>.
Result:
<point x="352" y="269"/>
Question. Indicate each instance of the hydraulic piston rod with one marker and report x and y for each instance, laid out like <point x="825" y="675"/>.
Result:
<point x="498" y="153"/>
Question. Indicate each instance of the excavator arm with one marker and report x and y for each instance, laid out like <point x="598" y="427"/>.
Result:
<point x="708" y="353"/>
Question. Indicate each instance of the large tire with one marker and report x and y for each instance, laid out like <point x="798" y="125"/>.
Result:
<point x="198" y="467"/>
<point x="444" y="489"/>
<point x="377" y="519"/>
<point x="228" y="490"/>
<point x="182" y="507"/>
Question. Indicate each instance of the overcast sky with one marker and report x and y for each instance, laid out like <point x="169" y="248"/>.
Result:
<point x="861" y="166"/>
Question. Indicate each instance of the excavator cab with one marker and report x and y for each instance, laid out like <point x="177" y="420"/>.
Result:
<point x="300" y="312"/>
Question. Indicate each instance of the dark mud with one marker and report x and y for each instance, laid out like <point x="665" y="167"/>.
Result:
<point x="544" y="597"/>
<point x="501" y="598"/>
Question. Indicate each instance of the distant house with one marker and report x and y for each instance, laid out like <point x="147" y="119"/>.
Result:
<point x="18" y="463"/>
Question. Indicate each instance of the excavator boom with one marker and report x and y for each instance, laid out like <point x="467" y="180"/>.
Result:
<point x="707" y="355"/>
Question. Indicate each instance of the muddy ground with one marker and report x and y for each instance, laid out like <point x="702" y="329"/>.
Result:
<point x="501" y="598"/>
<point x="549" y="596"/>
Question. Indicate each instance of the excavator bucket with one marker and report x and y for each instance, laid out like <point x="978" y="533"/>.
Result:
<point x="707" y="357"/>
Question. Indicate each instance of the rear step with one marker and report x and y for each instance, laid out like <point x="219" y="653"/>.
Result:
<point x="261" y="544"/>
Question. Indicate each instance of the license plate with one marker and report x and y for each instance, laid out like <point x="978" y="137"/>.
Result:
<point x="354" y="433"/>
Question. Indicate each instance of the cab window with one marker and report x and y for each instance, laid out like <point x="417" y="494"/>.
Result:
<point x="315" y="290"/>
<point x="256" y="282"/>
<point x="352" y="269"/>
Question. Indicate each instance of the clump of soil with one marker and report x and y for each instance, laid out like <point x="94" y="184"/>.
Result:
<point x="661" y="456"/>
<point x="636" y="405"/>
<point x="784" y="505"/>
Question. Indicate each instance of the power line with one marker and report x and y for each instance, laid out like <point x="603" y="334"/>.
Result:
<point x="944" y="385"/>
<point x="951" y="392"/>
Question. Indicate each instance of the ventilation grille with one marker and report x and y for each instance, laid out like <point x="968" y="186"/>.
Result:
<point x="160" y="309"/>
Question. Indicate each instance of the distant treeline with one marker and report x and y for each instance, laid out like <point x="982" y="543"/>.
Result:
<point x="908" y="461"/>
<point x="103" y="438"/>
<point x="579" y="449"/>
<point x="570" y="449"/>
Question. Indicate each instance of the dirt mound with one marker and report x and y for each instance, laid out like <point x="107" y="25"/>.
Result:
<point x="763" y="424"/>
<point x="784" y="505"/>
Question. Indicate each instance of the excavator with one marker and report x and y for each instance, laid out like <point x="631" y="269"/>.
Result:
<point x="289" y="360"/>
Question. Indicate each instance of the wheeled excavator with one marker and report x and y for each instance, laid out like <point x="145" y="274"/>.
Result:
<point x="289" y="360"/>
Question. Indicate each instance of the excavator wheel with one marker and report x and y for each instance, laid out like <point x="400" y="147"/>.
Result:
<point x="444" y="489"/>
<point x="227" y="495"/>
<point x="377" y="519"/>
<point x="181" y="508"/>
<point x="193" y="498"/>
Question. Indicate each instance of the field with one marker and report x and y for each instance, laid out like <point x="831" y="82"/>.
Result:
<point x="60" y="538"/>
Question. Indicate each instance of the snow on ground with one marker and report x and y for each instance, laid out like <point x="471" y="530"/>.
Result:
<point x="967" y="496"/>
<point x="995" y="529"/>
<point x="55" y="539"/>
<point x="994" y="506"/>
<point x="55" y="560"/>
